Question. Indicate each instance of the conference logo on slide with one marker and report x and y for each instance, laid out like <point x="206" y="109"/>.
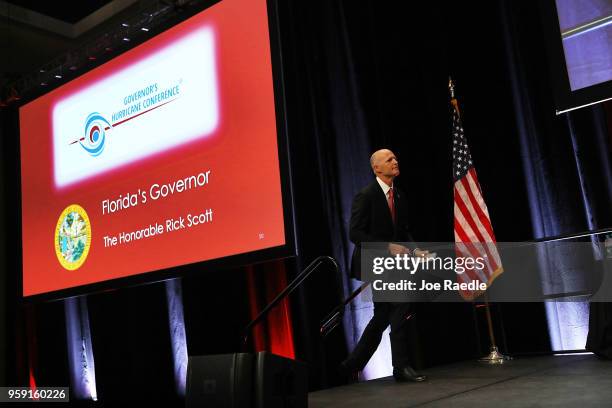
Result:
<point x="95" y="134"/>
<point x="96" y="125"/>
<point x="164" y="100"/>
<point x="72" y="237"/>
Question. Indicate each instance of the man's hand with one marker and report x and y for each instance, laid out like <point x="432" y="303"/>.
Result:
<point x="421" y="253"/>
<point x="397" y="249"/>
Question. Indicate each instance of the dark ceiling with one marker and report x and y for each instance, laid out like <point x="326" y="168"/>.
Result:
<point x="67" y="11"/>
<point x="40" y="37"/>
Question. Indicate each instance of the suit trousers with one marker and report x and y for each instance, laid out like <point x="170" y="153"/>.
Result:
<point x="385" y="314"/>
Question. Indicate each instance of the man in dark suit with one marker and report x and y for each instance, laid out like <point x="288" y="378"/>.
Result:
<point x="379" y="214"/>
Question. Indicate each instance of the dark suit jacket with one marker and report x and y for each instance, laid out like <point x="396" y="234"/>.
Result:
<point x="371" y="221"/>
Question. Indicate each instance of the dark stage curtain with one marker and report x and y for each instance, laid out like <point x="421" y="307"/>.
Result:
<point x="353" y="86"/>
<point x="274" y="333"/>
<point x="360" y="78"/>
<point x="599" y="340"/>
<point x="4" y="289"/>
<point x="566" y="159"/>
<point x="566" y="165"/>
<point x="329" y="151"/>
<point x="15" y="344"/>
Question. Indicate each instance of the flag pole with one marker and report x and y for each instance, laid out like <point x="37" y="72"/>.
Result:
<point x="494" y="356"/>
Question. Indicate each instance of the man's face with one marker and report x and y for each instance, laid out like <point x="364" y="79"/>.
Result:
<point x="386" y="164"/>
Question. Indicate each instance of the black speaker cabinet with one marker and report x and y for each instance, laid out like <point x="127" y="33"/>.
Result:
<point x="280" y="382"/>
<point x="220" y="381"/>
<point x="242" y="380"/>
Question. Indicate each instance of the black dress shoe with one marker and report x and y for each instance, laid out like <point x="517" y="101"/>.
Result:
<point x="406" y="374"/>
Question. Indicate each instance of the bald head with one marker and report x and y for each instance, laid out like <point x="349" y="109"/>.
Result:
<point x="377" y="155"/>
<point x="384" y="165"/>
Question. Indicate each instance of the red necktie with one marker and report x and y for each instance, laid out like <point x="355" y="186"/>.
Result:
<point x="391" y="204"/>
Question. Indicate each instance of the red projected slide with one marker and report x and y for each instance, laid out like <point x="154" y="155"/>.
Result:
<point x="164" y="156"/>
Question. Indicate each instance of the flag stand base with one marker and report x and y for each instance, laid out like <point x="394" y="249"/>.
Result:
<point x="494" y="357"/>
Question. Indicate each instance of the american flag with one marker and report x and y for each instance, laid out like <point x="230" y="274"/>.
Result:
<point x="474" y="235"/>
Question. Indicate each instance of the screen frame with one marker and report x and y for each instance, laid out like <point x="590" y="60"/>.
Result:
<point x="289" y="249"/>
<point x="565" y="99"/>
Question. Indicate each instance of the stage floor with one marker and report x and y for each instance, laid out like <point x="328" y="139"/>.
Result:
<point x="551" y="381"/>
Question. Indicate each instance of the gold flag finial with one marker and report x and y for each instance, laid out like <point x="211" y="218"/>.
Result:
<point x="451" y="90"/>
